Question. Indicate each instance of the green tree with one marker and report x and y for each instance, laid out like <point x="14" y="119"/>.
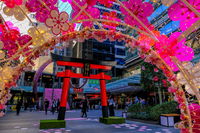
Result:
<point x="153" y="80"/>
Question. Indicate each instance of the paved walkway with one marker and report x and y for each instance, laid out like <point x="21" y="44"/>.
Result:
<point x="28" y="122"/>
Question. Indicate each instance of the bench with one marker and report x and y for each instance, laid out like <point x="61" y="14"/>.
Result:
<point x="169" y="119"/>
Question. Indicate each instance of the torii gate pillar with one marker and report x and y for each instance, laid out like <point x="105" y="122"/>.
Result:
<point x="104" y="98"/>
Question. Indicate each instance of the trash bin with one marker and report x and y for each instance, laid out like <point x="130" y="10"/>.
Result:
<point x="169" y="119"/>
<point x="124" y="114"/>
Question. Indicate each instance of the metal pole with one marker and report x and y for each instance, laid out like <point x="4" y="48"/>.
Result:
<point x="53" y="86"/>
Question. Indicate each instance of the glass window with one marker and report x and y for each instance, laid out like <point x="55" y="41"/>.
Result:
<point x="120" y="51"/>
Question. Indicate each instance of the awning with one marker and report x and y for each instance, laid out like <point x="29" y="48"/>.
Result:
<point x="125" y="85"/>
<point x="28" y="88"/>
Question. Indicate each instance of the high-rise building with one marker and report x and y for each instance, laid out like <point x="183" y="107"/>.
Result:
<point x="107" y="50"/>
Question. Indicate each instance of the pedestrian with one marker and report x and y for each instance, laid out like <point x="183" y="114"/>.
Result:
<point x="25" y="105"/>
<point x="136" y="100"/>
<point x="18" y="107"/>
<point x="54" y="105"/>
<point x="84" y="108"/>
<point x="142" y="101"/>
<point x="46" y="105"/>
<point x="58" y="105"/>
<point x="87" y="105"/>
<point x="111" y="106"/>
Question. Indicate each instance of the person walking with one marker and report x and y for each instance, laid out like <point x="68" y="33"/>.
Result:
<point x="18" y="107"/>
<point x="111" y="106"/>
<point x="54" y="104"/>
<point x="58" y="105"/>
<point x="84" y="108"/>
<point x="46" y="105"/>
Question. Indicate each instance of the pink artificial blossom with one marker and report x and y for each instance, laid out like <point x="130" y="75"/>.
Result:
<point x="155" y="69"/>
<point x="93" y="12"/>
<point x="169" y="47"/>
<point x="143" y="67"/>
<point x="12" y="3"/>
<point x="140" y="9"/>
<point x="58" y="22"/>
<point x="42" y="12"/>
<point x="172" y="90"/>
<point x="164" y="83"/>
<point x="155" y="78"/>
<point x="184" y="14"/>
<point x="195" y="115"/>
<point x="23" y="40"/>
<point x="12" y="40"/>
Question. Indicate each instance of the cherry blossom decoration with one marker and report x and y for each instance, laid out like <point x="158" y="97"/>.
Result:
<point x="140" y="9"/>
<point x="42" y="8"/>
<point x="58" y="22"/>
<point x="195" y="115"/>
<point x="16" y="12"/>
<point x="89" y="2"/>
<point x="93" y="12"/>
<point x="184" y="14"/>
<point x="12" y="3"/>
<point x="169" y="47"/>
<point x="39" y="35"/>
<point x="2" y="53"/>
<point x="8" y="37"/>
<point x="11" y="40"/>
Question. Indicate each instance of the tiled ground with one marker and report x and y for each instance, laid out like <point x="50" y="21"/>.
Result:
<point x="28" y="122"/>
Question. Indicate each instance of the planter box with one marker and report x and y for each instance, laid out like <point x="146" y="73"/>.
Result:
<point x="112" y="120"/>
<point x="50" y="124"/>
<point x="169" y="119"/>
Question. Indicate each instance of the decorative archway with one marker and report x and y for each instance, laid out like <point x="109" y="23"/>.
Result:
<point x="167" y="53"/>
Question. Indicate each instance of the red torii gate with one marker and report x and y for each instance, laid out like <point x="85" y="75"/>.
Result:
<point x="67" y="74"/>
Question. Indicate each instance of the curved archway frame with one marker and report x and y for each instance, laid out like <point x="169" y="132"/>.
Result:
<point x="127" y="39"/>
<point x="51" y="44"/>
<point x="38" y="74"/>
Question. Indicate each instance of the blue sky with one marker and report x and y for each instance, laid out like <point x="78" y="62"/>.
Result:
<point x="64" y="6"/>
